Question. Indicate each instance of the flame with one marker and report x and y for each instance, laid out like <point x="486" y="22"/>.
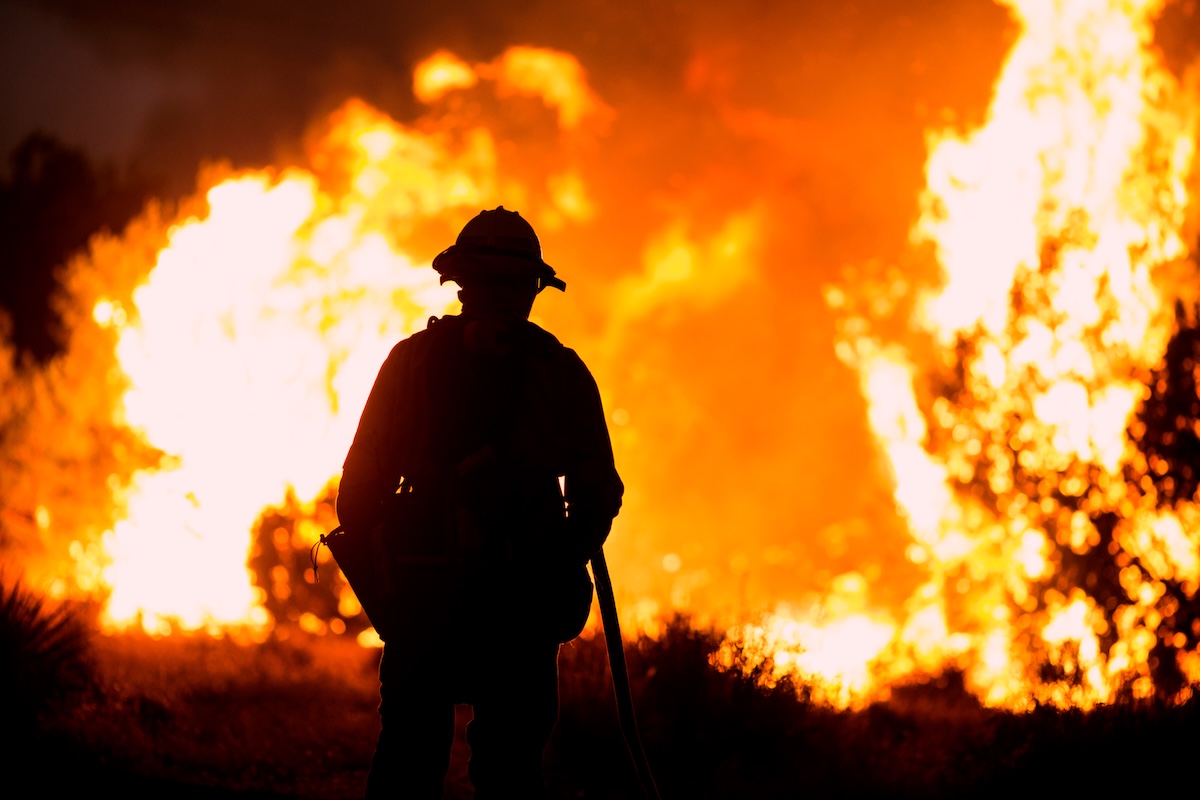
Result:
<point x="247" y="352"/>
<point x="221" y="353"/>
<point x="442" y="72"/>
<point x="555" y="77"/>
<point x="243" y="351"/>
<point x="1050" y="224"/>
<point x="830" y="647"/>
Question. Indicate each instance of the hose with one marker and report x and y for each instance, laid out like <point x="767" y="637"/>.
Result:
<point x="620" y="674"/>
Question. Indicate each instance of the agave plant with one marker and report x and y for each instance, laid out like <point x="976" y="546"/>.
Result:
<point x="43" y="655"/>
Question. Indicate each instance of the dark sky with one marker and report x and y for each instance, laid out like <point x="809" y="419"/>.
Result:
<point x="169" y="84"/>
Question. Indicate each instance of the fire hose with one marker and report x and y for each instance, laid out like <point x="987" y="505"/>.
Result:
<point x="620" y="674"/>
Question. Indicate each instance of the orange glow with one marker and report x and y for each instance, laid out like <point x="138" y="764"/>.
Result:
<point x="1049" y="224"/>
<point x="440" y="73"/>
<point x="221" y="353"/>
<point x="239" y="344"/>
<point x="557" y="78"/>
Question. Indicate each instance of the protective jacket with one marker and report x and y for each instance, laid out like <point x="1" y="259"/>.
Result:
<point x="494" y="436"/>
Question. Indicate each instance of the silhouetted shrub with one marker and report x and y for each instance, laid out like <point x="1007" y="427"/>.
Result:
<point x="43" y="657"/>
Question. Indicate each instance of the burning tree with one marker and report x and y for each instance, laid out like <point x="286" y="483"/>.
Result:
<point x="1036" y="407"/>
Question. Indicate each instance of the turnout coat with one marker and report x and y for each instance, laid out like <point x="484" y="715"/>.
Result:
<point x="479" y="482"/>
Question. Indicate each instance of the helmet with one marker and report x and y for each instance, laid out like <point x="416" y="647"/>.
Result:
<point x="496" y="244"/>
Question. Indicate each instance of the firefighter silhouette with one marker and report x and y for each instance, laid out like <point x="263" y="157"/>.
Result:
<point x="482" y="475"/>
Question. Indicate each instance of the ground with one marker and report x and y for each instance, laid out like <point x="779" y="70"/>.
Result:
<point x="194" y="717"/>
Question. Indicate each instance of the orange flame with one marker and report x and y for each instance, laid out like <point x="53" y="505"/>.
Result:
<point x="1049" y="224"/>
<point x="236" y="341"/>
<point x="253" y="341"/>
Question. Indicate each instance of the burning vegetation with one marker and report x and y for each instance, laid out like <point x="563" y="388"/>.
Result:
<point x="1021" y="403"/>
<point x="1028" y="379"/>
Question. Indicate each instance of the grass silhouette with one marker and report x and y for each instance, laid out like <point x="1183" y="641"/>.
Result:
<point x="44" y="658"/>
<point x="191" y="716"/>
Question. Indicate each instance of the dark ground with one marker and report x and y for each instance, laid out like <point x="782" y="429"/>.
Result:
<point x="203" y="718"/>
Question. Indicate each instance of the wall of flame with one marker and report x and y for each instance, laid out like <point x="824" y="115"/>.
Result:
<point x="909" y="508"/>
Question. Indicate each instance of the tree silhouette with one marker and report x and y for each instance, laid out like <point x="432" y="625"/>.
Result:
<point x="51" y="202"/>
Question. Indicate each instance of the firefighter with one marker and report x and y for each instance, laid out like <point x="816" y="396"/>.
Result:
<point x="483" y="456"/>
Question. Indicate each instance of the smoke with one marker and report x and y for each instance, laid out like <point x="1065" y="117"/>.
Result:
<point x="173" y="85"/>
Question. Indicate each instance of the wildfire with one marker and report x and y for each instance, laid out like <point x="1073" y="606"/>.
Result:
<point x="1051" y="224"/>
<point x="221" y="354"/>
<point x="246" y="349"/>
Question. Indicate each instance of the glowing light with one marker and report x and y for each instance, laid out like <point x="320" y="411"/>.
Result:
<point x="442" y="72"/>
<point x="556" y="77"/>
<point x="1048" y="222"/>
<point x="258" y="334"/>
<point x="1000" y="396"/>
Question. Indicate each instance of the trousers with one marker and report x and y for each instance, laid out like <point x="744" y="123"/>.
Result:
<point x="511" y="684"/>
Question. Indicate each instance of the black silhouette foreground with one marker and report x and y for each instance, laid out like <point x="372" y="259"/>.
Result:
<point x="479" y="484"/>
